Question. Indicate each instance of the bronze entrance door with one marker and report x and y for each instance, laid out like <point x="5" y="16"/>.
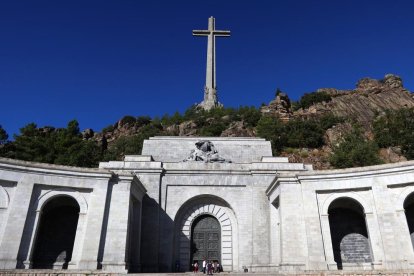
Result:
<point x="205" y="240"/>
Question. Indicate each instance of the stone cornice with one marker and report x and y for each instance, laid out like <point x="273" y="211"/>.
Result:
<point x="8" y="164"/>
<point x="286" y="179"/>
<point x="369" y="171"/>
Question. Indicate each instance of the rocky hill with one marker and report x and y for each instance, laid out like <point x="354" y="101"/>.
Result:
<point x="310" y="130"/>
<point x="363" y="104"/>
<point x="369" y="100"/>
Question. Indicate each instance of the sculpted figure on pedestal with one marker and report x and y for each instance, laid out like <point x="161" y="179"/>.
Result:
<point x="205" y="152"/>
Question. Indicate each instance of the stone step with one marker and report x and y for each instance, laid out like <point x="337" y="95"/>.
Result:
<point x="50" y="272"/>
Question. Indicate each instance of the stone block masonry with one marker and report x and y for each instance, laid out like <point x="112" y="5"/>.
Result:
<point x="271" y="217"/>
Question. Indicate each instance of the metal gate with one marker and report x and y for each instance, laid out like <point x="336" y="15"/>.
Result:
<point x="206" y="240"/>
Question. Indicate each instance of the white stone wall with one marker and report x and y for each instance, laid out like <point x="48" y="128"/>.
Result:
<point x="274" y="215"/>
<point x="241" y="187"/>
<point x="380" y="190"/>
<point x="25" y="187"/>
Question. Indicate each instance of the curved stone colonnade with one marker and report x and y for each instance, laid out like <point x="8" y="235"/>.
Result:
<point x="142" y="214"/>
<point x="36" y="203"/>
<point x="354" y="219"/>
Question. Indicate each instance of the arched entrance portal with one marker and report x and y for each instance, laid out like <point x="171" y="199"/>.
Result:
<point x="188" y="217"/>
<point x="56" y="233"/>
<point x="205" y="240"/>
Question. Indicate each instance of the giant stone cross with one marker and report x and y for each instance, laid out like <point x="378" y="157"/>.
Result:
<point x="210" y="89"/>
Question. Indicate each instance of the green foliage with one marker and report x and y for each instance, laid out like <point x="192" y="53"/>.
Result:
<point x="131" y="144"/>
<point x="355" y="151"/>
<point x="143" y="121"/>
<point x="309" y="99"/>
<point x="175" y="119"/>
<point x="62" y="146"/>
<point x="396" y="128"/>
<point x="295" y="133"/>
<point x="329" y="120"/>
<point x="3" y="136"/>
<point x="250" y="115"/>
<point x="214" y="121"/>
<point x="300" y="134"/>
<point x="214" y="129"/>
<point x="130" y="120"/>
<point x="107" y="129"/>
<point x="271" y="129"/>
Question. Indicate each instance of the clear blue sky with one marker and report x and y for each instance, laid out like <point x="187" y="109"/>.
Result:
<point x="96" y="61"/>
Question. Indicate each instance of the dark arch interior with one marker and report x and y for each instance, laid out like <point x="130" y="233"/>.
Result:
<point x="205" y="240"/>
<point x="409" y="214"/>
<point x="56" y="233"/>
<point x="349" y="235"/>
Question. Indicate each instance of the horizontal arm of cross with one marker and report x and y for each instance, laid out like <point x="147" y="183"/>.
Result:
<point x="201" y="32"/>
<point x="207" y="32"/>
<point x="221" y="33"/>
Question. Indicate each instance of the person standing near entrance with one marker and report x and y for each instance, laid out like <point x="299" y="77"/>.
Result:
<point x="204" y="266"/>
<point x="209" y="268"/>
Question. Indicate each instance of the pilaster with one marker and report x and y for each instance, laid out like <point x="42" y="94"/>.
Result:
<point x="115" y="259"/>
<point x="292" y="225"/>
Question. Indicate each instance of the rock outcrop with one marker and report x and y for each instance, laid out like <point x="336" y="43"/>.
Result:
<point x="370" y="98"/>
<point x="280" y="107"/>
<point x="238" y="129"/>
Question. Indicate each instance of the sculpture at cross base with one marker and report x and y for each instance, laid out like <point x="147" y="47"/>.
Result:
<point x="210" y="89"/>
<point x="205" y="152"/>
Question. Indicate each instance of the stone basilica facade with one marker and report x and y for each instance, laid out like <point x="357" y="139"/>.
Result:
<point x="228" y="201"/>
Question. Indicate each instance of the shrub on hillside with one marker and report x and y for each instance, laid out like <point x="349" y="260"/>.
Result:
<point x="130" y="120"/>
<point x="3" y="136"/>
<point x="355" y="151"/>
<point x="295" y="133"/>
<point x="396" y="128"/>
<point x="309" y="99"/>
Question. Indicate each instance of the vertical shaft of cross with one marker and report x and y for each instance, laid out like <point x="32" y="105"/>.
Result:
<point x="210" y="89"/>
<point x="211" y="57"/>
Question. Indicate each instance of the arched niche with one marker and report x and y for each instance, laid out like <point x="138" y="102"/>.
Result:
<point x="54" y="242"/>
<point x="349" y="234"/>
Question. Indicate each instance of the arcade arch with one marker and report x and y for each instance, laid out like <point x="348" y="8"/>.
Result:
<point x="55" y="239"/>
<point x="350" y="240"/>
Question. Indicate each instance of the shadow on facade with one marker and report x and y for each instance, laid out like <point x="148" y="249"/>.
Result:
<point x="409" y="213"/>
<point x="157" y="234"/>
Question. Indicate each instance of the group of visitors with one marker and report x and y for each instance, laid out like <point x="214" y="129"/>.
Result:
<point x="208" y="267"/>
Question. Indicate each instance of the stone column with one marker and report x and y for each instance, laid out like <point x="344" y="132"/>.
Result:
<point x="78" y="243"/>
<point x="115" y="258"/>
<point x="292" y="226"/>
<point x="274" y="233"/>
<point x="89" y="242"/>
<point x="13" y="231"/>
<point x="405" y="245"/>
<point x="327" y="242"/>
<point x="375" y="240"/>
